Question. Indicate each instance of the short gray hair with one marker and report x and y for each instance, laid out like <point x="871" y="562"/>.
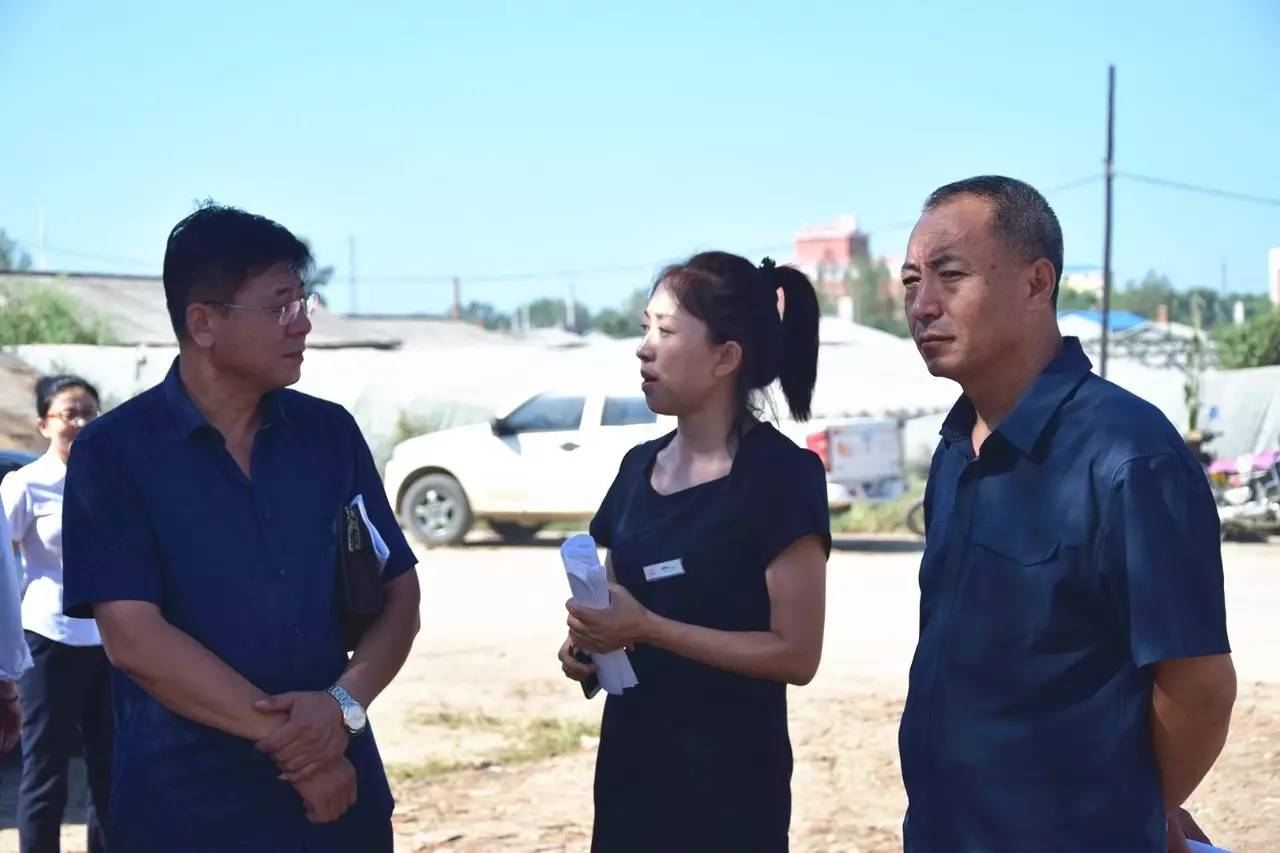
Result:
<point x="1022" y="218"/>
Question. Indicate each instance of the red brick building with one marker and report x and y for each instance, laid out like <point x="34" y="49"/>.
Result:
<point x="828" y="254"/>
<point x="834" y="245"/>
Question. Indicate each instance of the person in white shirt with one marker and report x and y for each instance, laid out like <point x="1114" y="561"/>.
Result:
<point x="65" y="696"/>
<point x="14" y="655"/>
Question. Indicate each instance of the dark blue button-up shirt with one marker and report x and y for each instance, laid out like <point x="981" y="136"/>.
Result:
<point x="1080" y="548"/>
<point x="157" y="510"/>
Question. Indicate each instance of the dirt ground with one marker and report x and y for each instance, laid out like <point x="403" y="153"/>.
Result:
<point x="490" y="748"/>
<point x="847" y="788"/>
<point x="17" y="406"/>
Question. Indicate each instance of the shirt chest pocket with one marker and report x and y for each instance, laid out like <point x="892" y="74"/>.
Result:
<point x="1028" y="589"/>
<point x="47" y="519"/>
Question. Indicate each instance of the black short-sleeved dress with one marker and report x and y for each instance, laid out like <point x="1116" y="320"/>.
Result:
<point x="695" y="758"/>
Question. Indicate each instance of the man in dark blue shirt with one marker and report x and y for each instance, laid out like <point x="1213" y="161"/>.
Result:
<point x="1072" y="683"/>
<point x="200" y="531"/>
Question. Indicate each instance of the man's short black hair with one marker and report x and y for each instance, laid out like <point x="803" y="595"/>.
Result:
<point x="1021" y="217"/>
<point x="211" y="252"/>
<point x="48" y="387"/>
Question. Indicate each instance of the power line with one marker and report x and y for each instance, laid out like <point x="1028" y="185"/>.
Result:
<point x="1196" y="188"/>
<point x="908" y="224"/>
<point x="1071" y="185"/>
<point x="88" y="256"/>
<point x="509" y="277"/>
<point x="409" y="279"/>
<point x="644" y="266"/>
<point x="413" y="279"/>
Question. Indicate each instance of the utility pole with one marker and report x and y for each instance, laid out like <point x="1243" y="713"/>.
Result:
<point x="456" y="311"/>
<point x="354" y="306"/>
<point x="1106" y="242"/>
<point x="1195" y="359"/>
<point x="40" y="241"/>
<point x="571" y="313"/>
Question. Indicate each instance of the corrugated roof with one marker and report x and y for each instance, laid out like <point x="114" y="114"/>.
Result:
<point x="134" y="307"/>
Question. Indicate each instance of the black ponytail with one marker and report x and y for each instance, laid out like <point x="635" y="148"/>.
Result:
<point x="798" y="356"/>
<point x="738" y="301"/>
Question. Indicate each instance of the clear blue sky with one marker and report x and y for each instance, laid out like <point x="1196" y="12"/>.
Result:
<point x="486" y="139"/>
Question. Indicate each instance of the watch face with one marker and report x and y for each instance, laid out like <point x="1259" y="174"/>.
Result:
<point x="355" y="717"/>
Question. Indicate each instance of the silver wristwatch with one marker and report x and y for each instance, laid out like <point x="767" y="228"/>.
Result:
<point x="354" y="717"/>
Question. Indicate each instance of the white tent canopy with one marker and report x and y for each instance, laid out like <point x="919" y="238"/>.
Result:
<point x="1244" y="407"/>
<point x="446" y="378"/>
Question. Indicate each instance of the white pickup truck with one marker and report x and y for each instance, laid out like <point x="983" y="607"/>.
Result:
<point x="863" y="455"/>
<point x="553" y="457"/>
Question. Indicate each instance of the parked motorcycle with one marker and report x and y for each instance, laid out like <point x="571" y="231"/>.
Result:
<point x="1247" y="491"/>
<point x="915" y="517"/>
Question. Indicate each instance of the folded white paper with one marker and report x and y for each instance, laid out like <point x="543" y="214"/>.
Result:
<point x="589" y="583"/>
<point x="380" y="548"/>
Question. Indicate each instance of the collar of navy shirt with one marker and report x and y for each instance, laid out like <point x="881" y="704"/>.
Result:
<point x="188" y="418"/>
<point x="1028" y="420"/>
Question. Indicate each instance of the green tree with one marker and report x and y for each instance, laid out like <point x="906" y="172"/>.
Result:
<point x="11" y="255"/>
<point x="45" y="316"/>
<point x="548" y="312"/>
<point x="1076" y="300"/>
<point x="1255" y="344"/>
<point x="1217" y="309"/>
<point x="636" y="303"/>
<point x="615" y="324"/>
<point x="827" y="305"/>
<point x="582" y="319"/>
<point x="484" y="314"/>
<point x="624" y="321"/>
<point x="1145" y="297"/>
<point x="874" y="304"/>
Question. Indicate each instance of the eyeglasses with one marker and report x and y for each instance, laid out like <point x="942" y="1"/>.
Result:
<point x="286" y="313"/>
<point x="70" y="416"/>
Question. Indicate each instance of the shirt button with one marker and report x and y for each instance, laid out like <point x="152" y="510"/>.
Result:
<point x="282" y="573"/>
<point x="297" y="632"/>
<point x="266" y="516"/>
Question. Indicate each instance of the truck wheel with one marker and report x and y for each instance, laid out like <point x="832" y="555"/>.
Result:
<point x="915" y="518"/>
<point x="436" y="510"/>
<point x="515" y="532"/>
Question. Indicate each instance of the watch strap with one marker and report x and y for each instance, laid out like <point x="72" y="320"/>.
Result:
<point x="345" y="700"/>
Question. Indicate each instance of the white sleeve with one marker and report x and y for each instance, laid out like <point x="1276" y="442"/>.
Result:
<point x="15" y="497"/>
<point x="14" y="654"/>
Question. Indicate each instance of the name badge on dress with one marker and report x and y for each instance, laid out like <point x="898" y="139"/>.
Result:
<point x="661" y="571"/>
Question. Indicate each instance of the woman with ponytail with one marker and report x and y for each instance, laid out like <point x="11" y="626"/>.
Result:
<point x="718" y="537"/>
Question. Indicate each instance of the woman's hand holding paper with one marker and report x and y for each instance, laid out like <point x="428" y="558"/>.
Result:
<point x="623" y="623"/>
<point x="589" y="582"/>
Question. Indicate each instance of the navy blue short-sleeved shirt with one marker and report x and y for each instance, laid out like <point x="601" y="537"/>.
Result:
<point x="157" y="510"/>
<point x="1077" y="550"/>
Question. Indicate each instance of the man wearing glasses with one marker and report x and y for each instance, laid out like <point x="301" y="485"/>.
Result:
<point x="199" y="530"/>
<point x="65" y="696"/>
